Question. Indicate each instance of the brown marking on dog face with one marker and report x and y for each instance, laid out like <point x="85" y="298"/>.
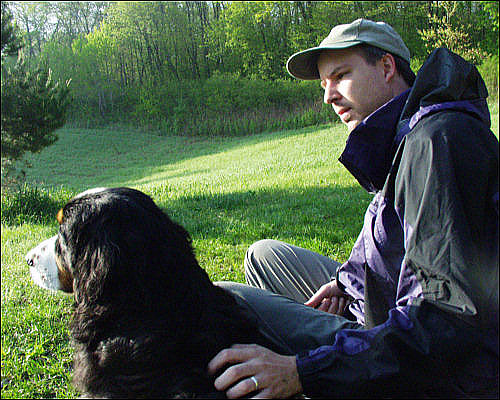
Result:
<point x="65" y="277"/>
<point x="59" y="216"/>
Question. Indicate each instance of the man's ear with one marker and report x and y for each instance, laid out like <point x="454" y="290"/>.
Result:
<point x="389" y="65"/>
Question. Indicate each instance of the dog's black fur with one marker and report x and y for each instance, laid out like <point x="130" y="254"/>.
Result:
<point x="147" y="318"/>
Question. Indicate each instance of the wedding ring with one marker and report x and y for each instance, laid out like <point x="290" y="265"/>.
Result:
<point x="255" y="381"/>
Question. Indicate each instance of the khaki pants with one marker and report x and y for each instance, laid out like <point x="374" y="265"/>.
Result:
<point x="280" y="278"/>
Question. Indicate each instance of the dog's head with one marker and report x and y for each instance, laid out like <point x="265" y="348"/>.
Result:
<point x="113" y="243"/>
<point x="44" y="269"/>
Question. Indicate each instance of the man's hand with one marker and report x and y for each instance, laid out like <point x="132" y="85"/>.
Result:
<point x="276" y="375"/>
<point x="329" y="298"/>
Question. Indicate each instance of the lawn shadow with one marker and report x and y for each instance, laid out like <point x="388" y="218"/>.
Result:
<point x="319" y="216"/>
<point x="32" y="205"/>
<point x="328" y="216"/>
<point x="326" y="220"/>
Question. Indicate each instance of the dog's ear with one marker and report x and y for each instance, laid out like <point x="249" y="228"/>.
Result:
<point x="98" y="257"/>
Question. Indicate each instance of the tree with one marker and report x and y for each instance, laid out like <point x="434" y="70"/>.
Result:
<point x="132" y="61"/>
<point x="11" y="43"/>
<point x="442" y="33"/>
<point x="33" y="105"/>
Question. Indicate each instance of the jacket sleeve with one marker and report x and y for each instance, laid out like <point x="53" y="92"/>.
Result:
<point x="444" y="194"/>
<point x="439" y="330"/>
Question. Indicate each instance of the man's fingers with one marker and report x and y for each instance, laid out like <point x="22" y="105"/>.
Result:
<point x="342" y="305"/>
<point x="337" y="305"/>
<point x="334" y="307"/>
<point x="255" y="370"/>
<point x="241" y="357"/>
<point x="243" y="387"/>
<point x="224" y="357"/>
<point x="325" y="305"/>
<point x="237" y="353"/>
<point x="317" y="298"/>
<point x="233" y="374"/>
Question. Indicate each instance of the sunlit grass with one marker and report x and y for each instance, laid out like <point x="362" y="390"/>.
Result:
<point x="227" y="192"/>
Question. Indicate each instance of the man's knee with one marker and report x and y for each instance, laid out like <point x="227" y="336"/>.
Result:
<point x="260" y="253"/>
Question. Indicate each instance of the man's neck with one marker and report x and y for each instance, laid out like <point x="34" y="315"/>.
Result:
<point x="399" y="87"/>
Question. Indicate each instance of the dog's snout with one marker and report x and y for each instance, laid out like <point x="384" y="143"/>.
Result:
<point x="42" y="264"/>
<point x="31" y="258"/>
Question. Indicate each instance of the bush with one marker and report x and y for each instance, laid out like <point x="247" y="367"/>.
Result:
<point x="228" y="105"/>
<point x="489" y="71"/>
<point x="223" y="105"/>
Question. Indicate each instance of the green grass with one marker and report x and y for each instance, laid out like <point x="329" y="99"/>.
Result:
<point x="228" y="193"/>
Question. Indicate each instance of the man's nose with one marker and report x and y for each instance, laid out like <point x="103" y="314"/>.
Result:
<point x="331" y="94"/>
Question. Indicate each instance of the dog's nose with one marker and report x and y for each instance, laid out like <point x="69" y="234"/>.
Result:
<point x="29" y="261"/>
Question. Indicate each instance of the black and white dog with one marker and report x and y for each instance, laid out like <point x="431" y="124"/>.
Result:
<point x="147" y="318"/>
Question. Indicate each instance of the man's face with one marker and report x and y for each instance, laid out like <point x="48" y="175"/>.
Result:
<point x="353" y="87"/>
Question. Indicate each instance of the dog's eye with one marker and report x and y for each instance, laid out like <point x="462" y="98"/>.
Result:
<point x="59" y="216"/>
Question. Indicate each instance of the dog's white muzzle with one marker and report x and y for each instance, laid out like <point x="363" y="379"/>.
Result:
<point x="42" y="263"/>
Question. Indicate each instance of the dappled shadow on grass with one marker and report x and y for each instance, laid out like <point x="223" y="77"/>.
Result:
<point x="325" y="218"/>
<point x="32" y="205"/>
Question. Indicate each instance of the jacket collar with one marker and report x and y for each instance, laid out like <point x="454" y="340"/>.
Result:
<point x="476" y="107"/>
<point x="444" y="82"/>
<point x="371" y="146"/>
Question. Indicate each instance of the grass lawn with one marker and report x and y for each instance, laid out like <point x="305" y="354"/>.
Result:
<point x="227" y="193"/>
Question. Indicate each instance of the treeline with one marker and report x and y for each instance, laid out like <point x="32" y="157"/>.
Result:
<point x="212" y="67"/>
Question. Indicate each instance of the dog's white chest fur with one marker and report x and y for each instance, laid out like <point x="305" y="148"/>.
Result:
<point x="43" y="267"/>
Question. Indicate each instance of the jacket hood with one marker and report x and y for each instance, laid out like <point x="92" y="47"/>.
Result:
<point x="444" y="77"/>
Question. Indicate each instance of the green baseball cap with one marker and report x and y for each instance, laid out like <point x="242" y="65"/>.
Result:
<point x="303" y="65"/>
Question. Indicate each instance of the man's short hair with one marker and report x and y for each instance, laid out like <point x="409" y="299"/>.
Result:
<point x="372" y="54"/>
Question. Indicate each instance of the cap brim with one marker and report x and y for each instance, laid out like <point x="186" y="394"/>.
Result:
<point x="304" y="64"/>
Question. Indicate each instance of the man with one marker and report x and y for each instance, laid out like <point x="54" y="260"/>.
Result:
<point x="414" y="310"/>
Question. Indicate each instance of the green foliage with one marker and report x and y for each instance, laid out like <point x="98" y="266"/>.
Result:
<point x="229" y="105"/>
<point x="11" y="42"/>
<point x="491" y="7"/>
<point x="489" y="71"/>
<point x="176" y="66"/>
<point x="33" y="107"/>
<point x="442" y="33"/>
